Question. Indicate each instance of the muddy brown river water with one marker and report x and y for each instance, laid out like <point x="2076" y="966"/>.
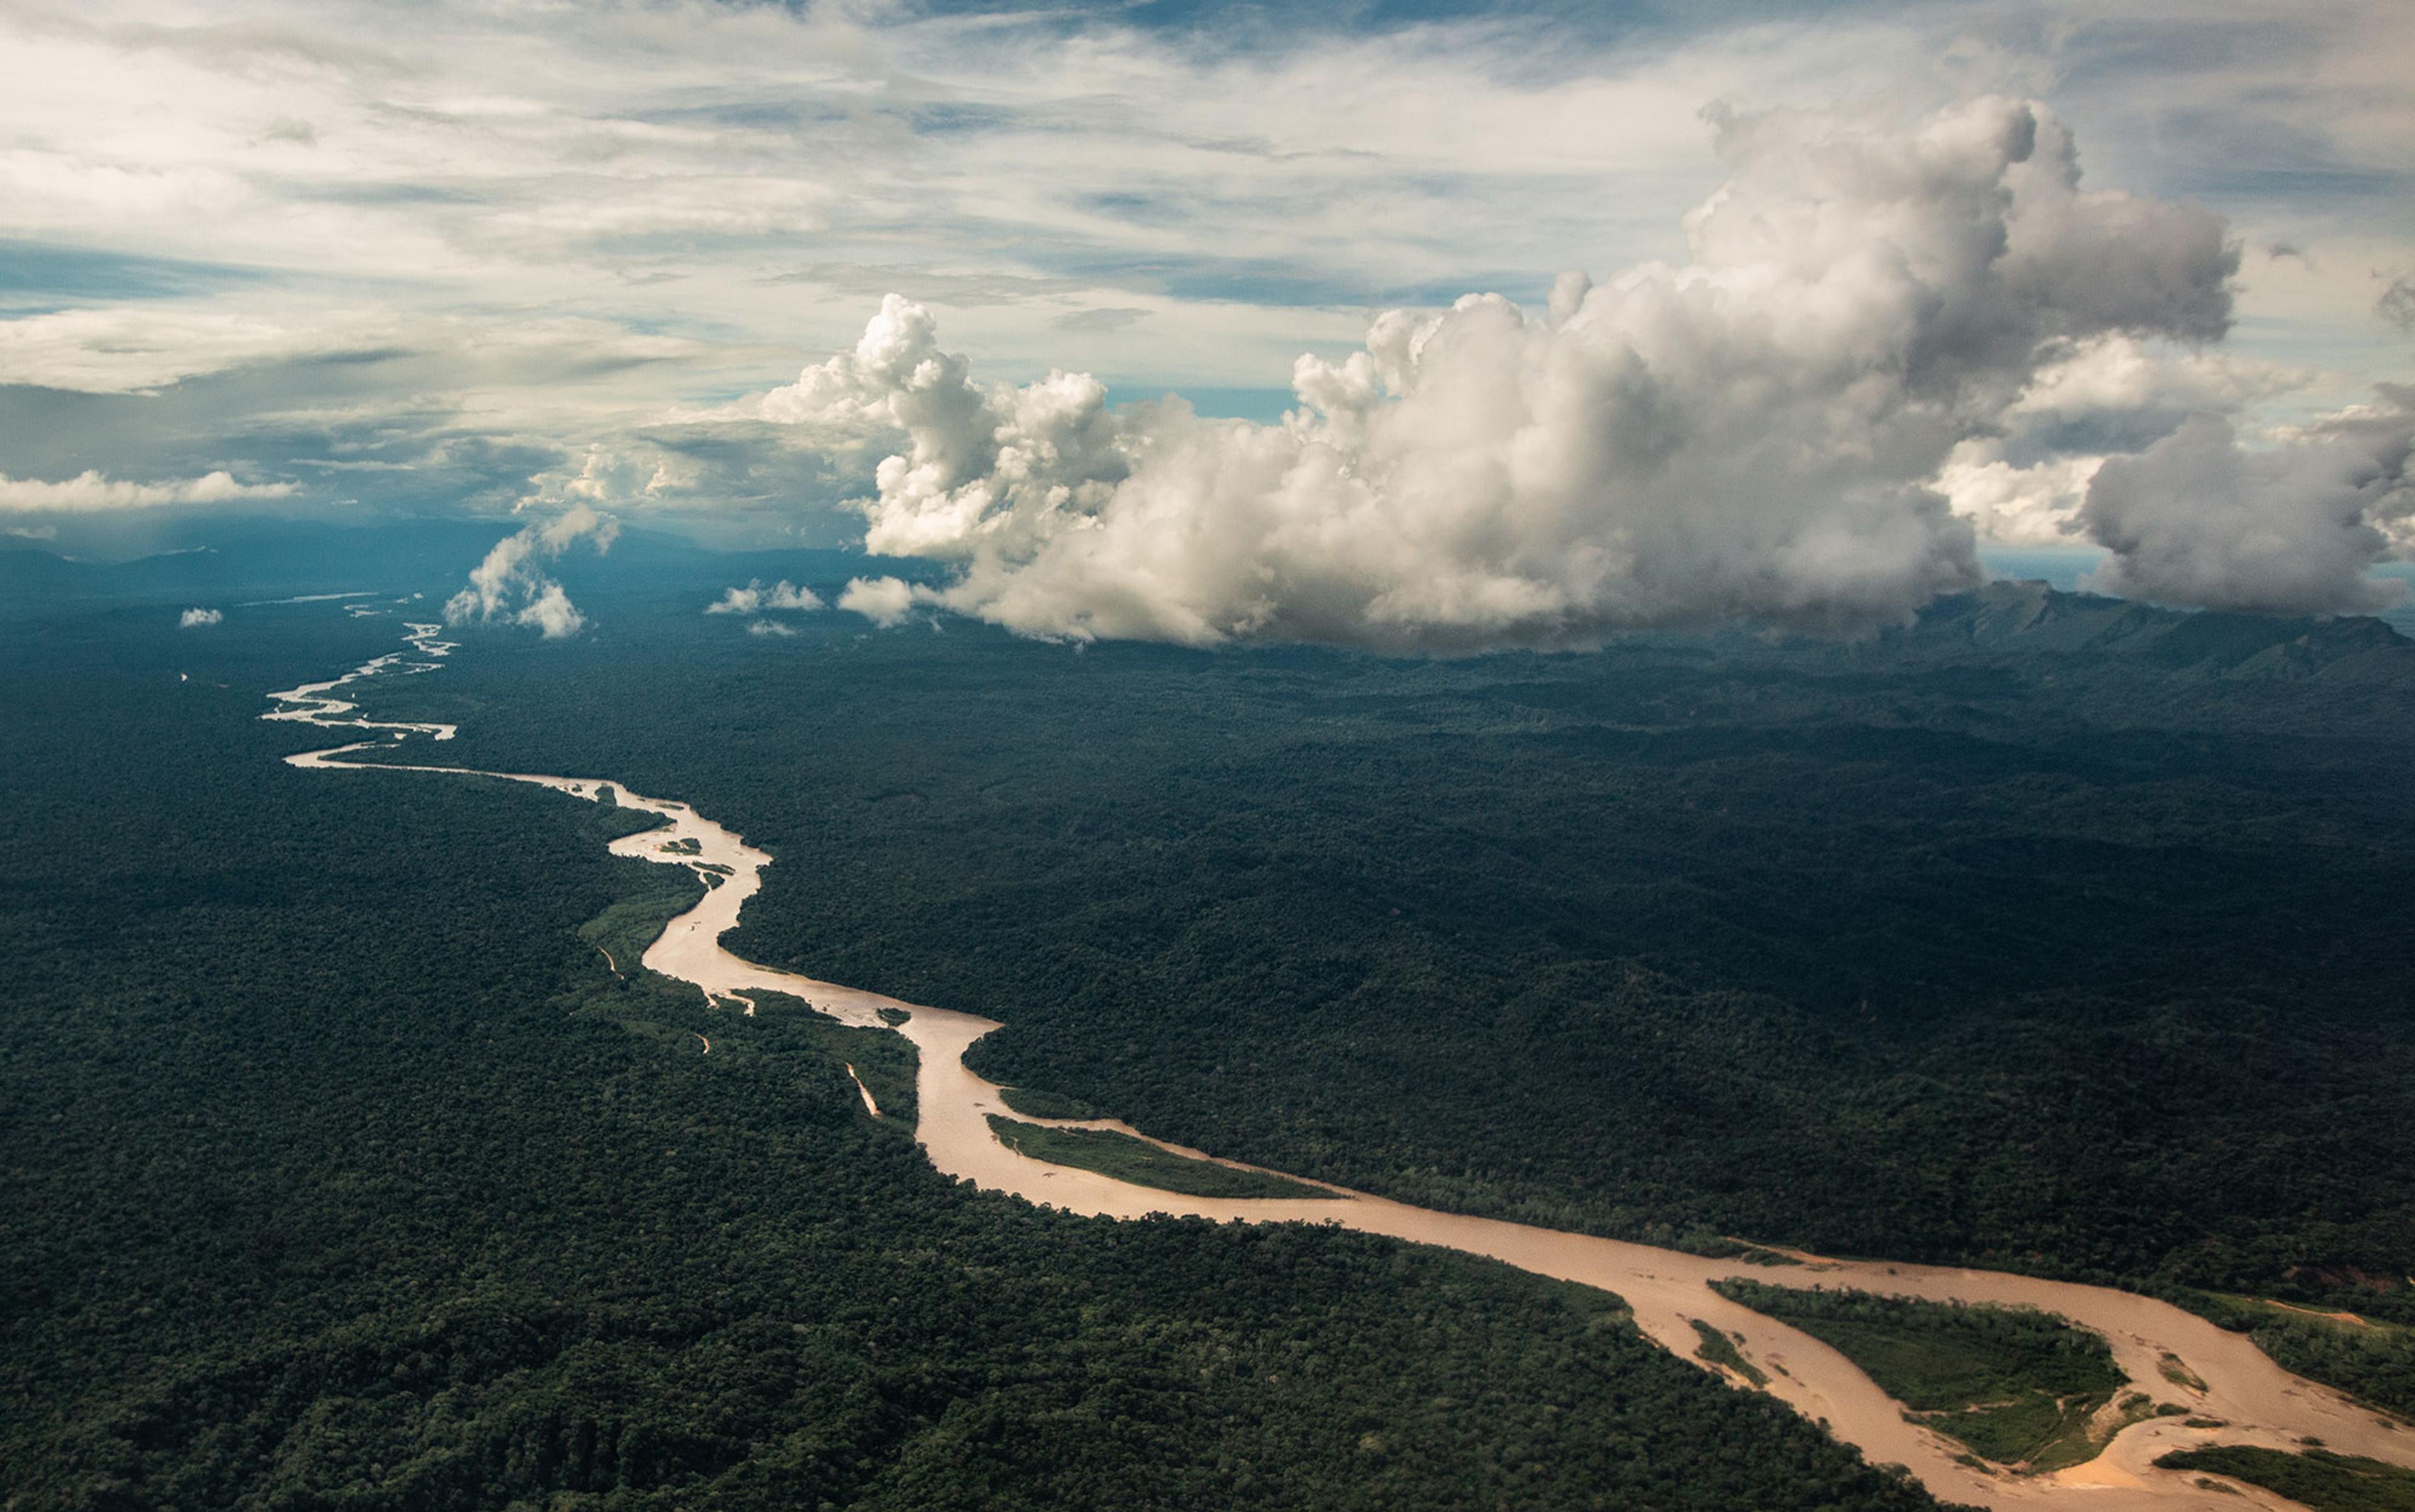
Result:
<point x="2256" y="1400"/>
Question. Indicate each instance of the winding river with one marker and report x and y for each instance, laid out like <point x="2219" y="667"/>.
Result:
<point x="2255" y="1400"/>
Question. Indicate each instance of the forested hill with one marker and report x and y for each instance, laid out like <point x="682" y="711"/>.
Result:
<point x="2025" y="620"/>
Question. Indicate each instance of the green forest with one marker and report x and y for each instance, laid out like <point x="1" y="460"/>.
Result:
<point x="1144" y="1164"/>
<point x="2321" y="1479"/>
<point x="2052" y="935"/>
<point x="2018" y="1388"/>
<point x="338" y="1168"/>
<point x="2371" y="1356"/>
<point x="348" y="1163"/>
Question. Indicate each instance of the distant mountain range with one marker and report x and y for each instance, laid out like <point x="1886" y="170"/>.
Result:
<point x="231" y="560"/>
<point x="2029" y="618"/>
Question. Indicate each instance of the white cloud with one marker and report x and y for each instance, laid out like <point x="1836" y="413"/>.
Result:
<point x="2119" y="374"/>
<point x="199" y="619"/>
<point x="138" y="349"/>
<point x="2009" y="505"/>
<point x="509" y="583"/>
<point x="461" y="231"/>
<point x="88" y="492"/>
<point x="770" y="627"/>
<point x="884" y="601"/>
<point x="1756" y="432"/>
<point x="2196" y="519"/>
<point x="620" y="476"/>
<point x="550" y="612"/>
<point x="2115" y="394"/>
<point x="755" y="598"/>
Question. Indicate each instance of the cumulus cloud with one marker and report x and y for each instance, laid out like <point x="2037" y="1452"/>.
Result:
<point x="615" y="477"/>
<point x="1756" y="433"/>
<point x="89" y="492"/>
<point x="2119" y="386"/>
<point x="373" y="205"/>
<point x="769" y="627"/>
<point x="199" y="619"/>
<point x="2198" y="518"/>
<point x="755" y="598"/>
<point x="2024" y="483"/>
<point x="2034" y="505"/>
<point x="510" y="584"/>
<point x="552" y="613"/>
<point x="884" y="601"/>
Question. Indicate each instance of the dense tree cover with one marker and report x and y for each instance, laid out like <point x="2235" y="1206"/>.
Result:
<point x="1143" y="1164"/>
<point x="1721" y="1351"/>
<point x="2017" y="1386"/>
<point x="1033" y="1103"/>
<point x="2373" y="1357"/>
<point x="338" y="1168"/>
<point x="1954" y="947"/>
<point x="2324" y="1481"/>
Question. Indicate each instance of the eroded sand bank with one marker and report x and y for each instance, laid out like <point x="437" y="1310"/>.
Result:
<point x="2259" y="1401"/>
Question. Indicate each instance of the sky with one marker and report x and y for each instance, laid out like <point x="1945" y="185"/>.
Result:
<point x="1778" y="312"/>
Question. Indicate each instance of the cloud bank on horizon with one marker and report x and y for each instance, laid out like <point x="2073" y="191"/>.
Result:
<point x="1758" y="432"/>
<point x="89" y="492"/>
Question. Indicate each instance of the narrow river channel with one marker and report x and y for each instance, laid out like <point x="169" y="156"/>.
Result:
<point x="2255" y="1400"/>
